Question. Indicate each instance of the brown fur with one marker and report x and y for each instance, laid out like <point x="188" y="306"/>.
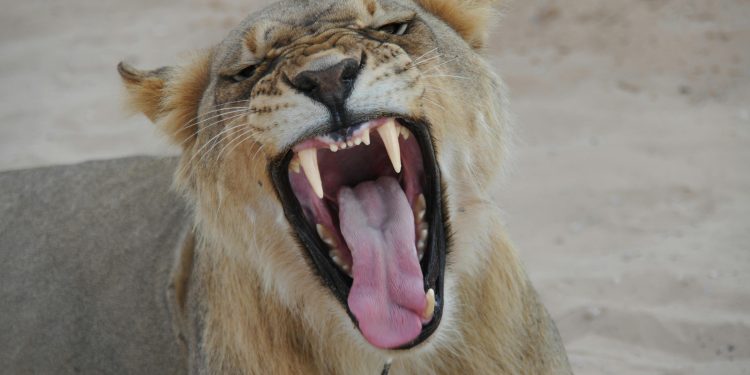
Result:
<point x="470" y="19"/>
<point x="157" y="96"/>
<point x="253" y="297"/>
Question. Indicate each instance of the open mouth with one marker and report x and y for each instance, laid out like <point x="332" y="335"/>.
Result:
<point x="365" y="201"/>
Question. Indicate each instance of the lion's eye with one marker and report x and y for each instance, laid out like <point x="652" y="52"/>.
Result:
<point x="244" y="73"/>
<point x="396" y="28"/>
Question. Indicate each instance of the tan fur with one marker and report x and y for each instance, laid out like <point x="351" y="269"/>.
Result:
<point x="145" y="90"/>
<point x="261" y="307"/>
<point x="157" y="96"/>
<point x="469" y="18"/>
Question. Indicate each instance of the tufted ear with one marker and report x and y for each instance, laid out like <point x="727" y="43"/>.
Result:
<point x="470" y="18"/>
<point x="169" y="97"/>
<point x="146" y="89"/>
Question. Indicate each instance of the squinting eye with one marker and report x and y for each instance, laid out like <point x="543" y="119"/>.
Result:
<point x="244" y="74"/>
<point x="396" y="28"/>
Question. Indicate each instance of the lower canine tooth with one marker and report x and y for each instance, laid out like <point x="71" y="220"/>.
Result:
<point x="429" y="309"/>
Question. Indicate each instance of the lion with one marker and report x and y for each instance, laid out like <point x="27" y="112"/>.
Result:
<point x="338" y="161"/>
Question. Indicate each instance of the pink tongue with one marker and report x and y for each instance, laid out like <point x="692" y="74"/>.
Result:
<point x="387" y="296"/>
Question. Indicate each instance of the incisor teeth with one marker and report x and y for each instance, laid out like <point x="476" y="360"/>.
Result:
<point x="389" y="134"/>
<point x="334" y="148"/>
<point x="358" y="141"/>
<point x="366" y="137"/>
<point x="309" y="160"/>
<point x="429" y="309"/>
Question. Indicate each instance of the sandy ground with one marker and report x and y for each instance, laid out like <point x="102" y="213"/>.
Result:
<point x="629" y="193"/>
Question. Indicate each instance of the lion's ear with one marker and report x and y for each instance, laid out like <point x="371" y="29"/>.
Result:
<point x="147" y="90"/>
<point x="470" y="18"/>
<point x="169" y="97"/>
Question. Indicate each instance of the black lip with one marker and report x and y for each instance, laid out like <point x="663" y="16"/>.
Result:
<point x="317" y="254"/>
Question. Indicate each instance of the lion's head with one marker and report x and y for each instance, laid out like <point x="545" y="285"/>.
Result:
<point x="346" y="151"/>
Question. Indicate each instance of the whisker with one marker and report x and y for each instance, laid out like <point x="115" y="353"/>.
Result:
<point x="216" y="113"/>
<point x="446" y="75"/>
<point x="243" y="133"/>
<point x="425" y="54"/>
<point x="425" y="61"/>
<point x="203" y="147"/>
<point x="245" y="138"/>
<point x="232" y="113"/>
<point x="441" y="64"/>
<point x="214" y="141"/>
<point x="433" y="103"/>
<point x="197" y="119"/>
<point x="217" y="110"/>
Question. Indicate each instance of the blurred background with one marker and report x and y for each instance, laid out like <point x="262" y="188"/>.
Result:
<point x="628" y="194"/>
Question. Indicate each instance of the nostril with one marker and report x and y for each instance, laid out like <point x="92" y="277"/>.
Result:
<point x="304" y="82"/>
<point x="350" y="72"/>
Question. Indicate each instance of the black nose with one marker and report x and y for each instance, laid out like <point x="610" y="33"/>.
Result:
<point x="330" y="86"/>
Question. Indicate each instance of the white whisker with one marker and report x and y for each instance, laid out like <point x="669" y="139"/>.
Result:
<point x="425" y="54"/>
<point x="214" y="141"/>
<point x="203" y="127"/>
<point x="209" y="142"/>
<point x="446" y="75"/>
<point x="243" y="133"/>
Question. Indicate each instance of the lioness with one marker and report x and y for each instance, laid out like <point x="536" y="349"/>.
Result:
<point x="339" y="159"/>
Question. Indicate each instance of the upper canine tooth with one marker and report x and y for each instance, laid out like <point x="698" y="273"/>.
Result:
<point x="366" y="137"/>
<point x="389" y="133"/>
<point x="309" y="160"/>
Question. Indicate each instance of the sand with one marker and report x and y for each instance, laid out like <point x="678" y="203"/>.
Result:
<point x="628" y="196"/>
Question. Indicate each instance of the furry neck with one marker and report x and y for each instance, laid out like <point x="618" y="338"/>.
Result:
<point x="250" y="328"/>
